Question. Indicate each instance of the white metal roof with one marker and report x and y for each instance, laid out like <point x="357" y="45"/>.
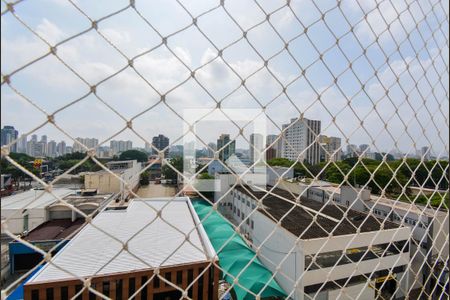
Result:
<point x="93" y="252"/>
<point x="30" y="199"/>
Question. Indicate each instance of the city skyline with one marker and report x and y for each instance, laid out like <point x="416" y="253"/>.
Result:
<point x="329" y="144"/>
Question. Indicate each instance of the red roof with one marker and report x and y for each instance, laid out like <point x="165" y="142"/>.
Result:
<point x="54" y="230"/>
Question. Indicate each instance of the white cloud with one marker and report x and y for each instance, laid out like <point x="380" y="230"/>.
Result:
<point x="49" y="31"/>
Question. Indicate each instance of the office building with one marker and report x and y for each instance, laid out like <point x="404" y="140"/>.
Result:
<point x="118" y="147"/>
<point x="88" y="142"/>
<point x="148" y="238"/>
<point x="22" y="144"/>
<point x="429" y="227"/>
<point x="330" y="148"/>
<point x="310" y="270"/>
<point x="161" y="142"/>
<point x="425" y="153"/>
<point x="51" y="149"/>
<point x="352" y="150"/>
<point x="256" y="148"/>
<point x="300" y="141"/>
<point x="364" y="147"/>
<point x="61" y="148"/>
<point x="273" y="146"/>
<point x="212" y="147"/>
<point x="226" y="147"/>
<point x="9" y="134"/>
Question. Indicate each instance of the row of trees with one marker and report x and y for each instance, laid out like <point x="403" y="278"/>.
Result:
<point x="390" y="176"/>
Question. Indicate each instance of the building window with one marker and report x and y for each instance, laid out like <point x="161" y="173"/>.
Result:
<point x="131" y="286"/>
<point x="78" y="289"/>
<point x="49" y="293"/>
<point x="168" y="277"/>
<point x="25" y="222"/>
<point x="64" y="293"/>
<point x="92" y="296"/>
<point x="179" y="277"/>
<point x="239" y="213"/>
<point x="145" y="287"/>
<point x="252" y="224"/>
<point x="119" y="289"/>
<point x="105" y="289"/>
<point x="35" y="295"/>
<point x="156" y="282"/>
<point x="190" y="279"/>
<point x="243" y="216"/>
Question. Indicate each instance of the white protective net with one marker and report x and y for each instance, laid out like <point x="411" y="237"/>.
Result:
<point x="312" y="215"/>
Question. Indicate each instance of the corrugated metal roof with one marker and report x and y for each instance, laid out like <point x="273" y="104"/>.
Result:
<point x="25" y="199"/>
<point x="91" y="250"/>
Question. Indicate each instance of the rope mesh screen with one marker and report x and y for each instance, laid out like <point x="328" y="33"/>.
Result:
<point x="297" y="84"/>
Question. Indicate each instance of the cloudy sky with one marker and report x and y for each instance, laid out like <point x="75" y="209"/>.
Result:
<point x="397" y="81"/>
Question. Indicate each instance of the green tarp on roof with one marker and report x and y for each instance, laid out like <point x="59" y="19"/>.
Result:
<point x="235" y="256"/>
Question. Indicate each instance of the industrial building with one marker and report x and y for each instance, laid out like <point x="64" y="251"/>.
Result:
<point x="105" y="182"/>
<point x="151" y="243"/>
<point x="26" y="211"/>
<point x="61" y="222"/>
<point x="429" y="227"/>
<point x="314" y="257"/>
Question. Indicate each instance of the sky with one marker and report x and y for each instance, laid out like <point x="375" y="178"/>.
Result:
<point x="306" y="71"/>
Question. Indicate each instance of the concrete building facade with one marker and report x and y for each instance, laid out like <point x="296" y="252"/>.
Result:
<point x="299" y="140"/>
<point x="307" y="258"/>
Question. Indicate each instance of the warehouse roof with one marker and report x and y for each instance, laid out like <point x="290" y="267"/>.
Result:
<point x="94" y="252"/>
<point x="54" y="230"/>
<point x="299" y="220"/>
<point x="33" y="199"/>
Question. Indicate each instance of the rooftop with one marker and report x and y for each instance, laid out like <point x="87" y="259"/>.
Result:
<point x="54" y="230"/>
<point x="93" y="252"/>
<point x="300" y="222"/>
<point x="33" y="199"/>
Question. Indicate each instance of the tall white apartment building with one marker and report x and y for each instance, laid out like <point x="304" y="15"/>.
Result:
<point x="299" y="140"/>
<point x="61" y="148"/>
<point x="51" y="149"/>
<point x="257" y="145"/>
<point x="88" y="142"/>
<point x="120" y="146"/>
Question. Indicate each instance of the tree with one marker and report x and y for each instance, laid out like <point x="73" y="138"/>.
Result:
<point x="134" y="155"/>
<point x="168" y="172"/>
<point x="144" y="179"/>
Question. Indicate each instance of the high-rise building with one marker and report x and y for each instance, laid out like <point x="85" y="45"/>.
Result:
<point x="61" y="148"/>
<point x="212" y="147"/>
<point x="256" y="147"/>
<point x="364" y="147"/>
<point x="69" y="150"/>
<point x="88" y="142"/>
<point x="9" y="134"/>
<point x="330" y="148"/>
<point x="51" y="149"/>
<point x="299" y="140"/>
<point x="352" y="150"/>
<point x="229" y="148"/>
<point x="34" y="138"/>
<point x="425" y="153"/>
<point x="22" y="144"/>
<point x="117" y="147"/>
<point x="275" y="149"/>
<point x="44" y="139"/>
<point x="161" y="142"/>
